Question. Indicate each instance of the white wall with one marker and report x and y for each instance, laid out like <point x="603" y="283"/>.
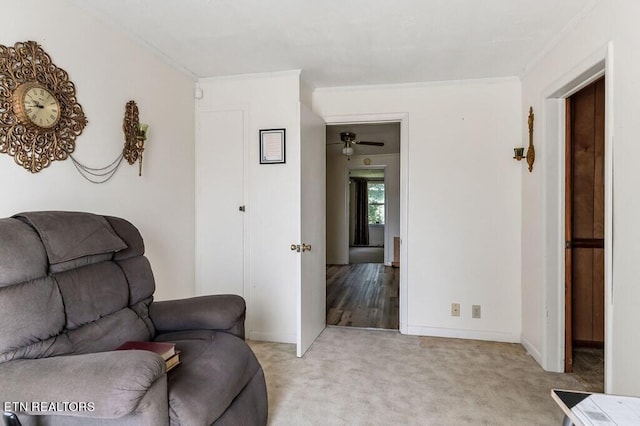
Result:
<point x="108" y="70"/>
<point x="463" y="199"/>
<point x="376" y="235"/>
<point x="337" y="213"/>
<point x="612" y="21"/>
<point x="273" y="203"/>
<point x="339" y="234"/>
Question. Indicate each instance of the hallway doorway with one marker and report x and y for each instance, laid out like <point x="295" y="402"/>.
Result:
<point x="584" y="232"/>
<point x="363" y="221"/>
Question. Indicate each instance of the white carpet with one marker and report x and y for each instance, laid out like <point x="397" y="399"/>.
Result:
<point x="366" y="377"/>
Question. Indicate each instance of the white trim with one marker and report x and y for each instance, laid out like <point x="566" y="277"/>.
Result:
<point x="608" y="219"/>
<point x="553" y="168"/>
<point x="417" y="85"/>
<point x="253" y="76"/>
<point x="403" y="119"/>
<point x="587" y="71"/>
<point x="553" y="224"/>
<point x="404" y="223"/>
<point x="392" y="117"/>
<point x="456" y="333"/>
<point x="531" y="349"/>
<point x="264" y="336"/>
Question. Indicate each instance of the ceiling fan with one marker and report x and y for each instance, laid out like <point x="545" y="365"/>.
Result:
<point x="349" y="139"/>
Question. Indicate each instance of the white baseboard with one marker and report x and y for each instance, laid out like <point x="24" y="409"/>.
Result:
<point x="264" y="336"/>
<point x="532" y="350"/>
<point x="492" y="336"/>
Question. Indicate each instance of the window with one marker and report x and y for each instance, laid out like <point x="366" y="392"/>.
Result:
<point x="375" y="189"/>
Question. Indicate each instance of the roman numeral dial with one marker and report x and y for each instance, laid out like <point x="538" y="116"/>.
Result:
<point x="36" y="106"/>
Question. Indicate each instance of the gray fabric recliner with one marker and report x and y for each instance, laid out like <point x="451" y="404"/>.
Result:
<point x="74" y="286"/>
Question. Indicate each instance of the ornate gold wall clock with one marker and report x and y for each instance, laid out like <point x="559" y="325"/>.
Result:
<point x="40" y="117"/>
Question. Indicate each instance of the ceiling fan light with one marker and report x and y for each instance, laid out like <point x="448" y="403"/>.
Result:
<point x="347" y="150"/>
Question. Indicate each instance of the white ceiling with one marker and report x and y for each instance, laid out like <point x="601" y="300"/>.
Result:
<point x="345" y="42"/>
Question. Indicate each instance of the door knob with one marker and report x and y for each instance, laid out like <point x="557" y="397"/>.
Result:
<point x="306" y="247"/>
<point x="295" y="247"/>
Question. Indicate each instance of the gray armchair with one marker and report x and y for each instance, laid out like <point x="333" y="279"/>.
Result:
<point x="73" y="287"/>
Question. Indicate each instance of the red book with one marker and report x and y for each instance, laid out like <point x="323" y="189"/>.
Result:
<point x="164" y="349"/>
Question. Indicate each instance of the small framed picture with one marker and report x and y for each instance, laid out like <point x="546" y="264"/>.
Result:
<point x="272" y="146"/>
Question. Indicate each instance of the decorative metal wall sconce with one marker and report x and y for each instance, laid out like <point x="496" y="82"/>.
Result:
<point x="518" y="153"/>
<point x="135" y="134"/>
<point x="531" y="152"/>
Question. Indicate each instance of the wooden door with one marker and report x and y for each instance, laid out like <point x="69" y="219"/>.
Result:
<point x="584" y="250"/>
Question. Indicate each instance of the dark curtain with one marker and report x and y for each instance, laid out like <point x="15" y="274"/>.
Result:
<point x="361" y="237"/>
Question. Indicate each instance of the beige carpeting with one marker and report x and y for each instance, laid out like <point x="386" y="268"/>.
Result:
<point x="369" y="377"/>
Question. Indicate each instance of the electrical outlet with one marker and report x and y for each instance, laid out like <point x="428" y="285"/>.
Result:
<point x="455" y="309"/>
<point x="475" y="311"/>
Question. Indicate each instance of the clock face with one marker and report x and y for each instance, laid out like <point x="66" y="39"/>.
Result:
<point x="37" y="106"/>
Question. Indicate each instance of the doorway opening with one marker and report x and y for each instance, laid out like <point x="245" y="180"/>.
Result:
<point x="585" y="235"/>
<point x="590" y="69"/>
<point x="366" y="215"/>
<point x="363" y="225"/>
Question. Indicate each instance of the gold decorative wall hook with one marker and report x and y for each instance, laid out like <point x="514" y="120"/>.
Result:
<point x="135" y="134"/>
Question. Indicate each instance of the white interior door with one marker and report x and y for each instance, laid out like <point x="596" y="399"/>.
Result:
<point x="312" y="290"/>
<point x="219" y="196"/>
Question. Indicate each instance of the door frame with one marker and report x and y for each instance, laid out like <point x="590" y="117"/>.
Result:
<point x="553" y="171"/>
<point x="569" y="237"/>
<point x="403" y="119"/>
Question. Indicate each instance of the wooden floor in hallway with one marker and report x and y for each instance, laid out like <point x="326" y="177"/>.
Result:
<point x="363" y="295"/>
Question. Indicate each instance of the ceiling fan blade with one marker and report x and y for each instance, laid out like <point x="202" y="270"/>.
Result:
<point x="335" y="143"/>
<point x="370" y="143"/>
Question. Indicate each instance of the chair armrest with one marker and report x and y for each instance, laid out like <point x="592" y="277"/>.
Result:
<point x="217" y="312"/>
<point x="102" y="385"/>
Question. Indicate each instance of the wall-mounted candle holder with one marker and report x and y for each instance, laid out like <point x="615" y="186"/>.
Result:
<point x="135" y="134"/>
<point x="518" y="152"/>
<point x="531" y="152"/>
